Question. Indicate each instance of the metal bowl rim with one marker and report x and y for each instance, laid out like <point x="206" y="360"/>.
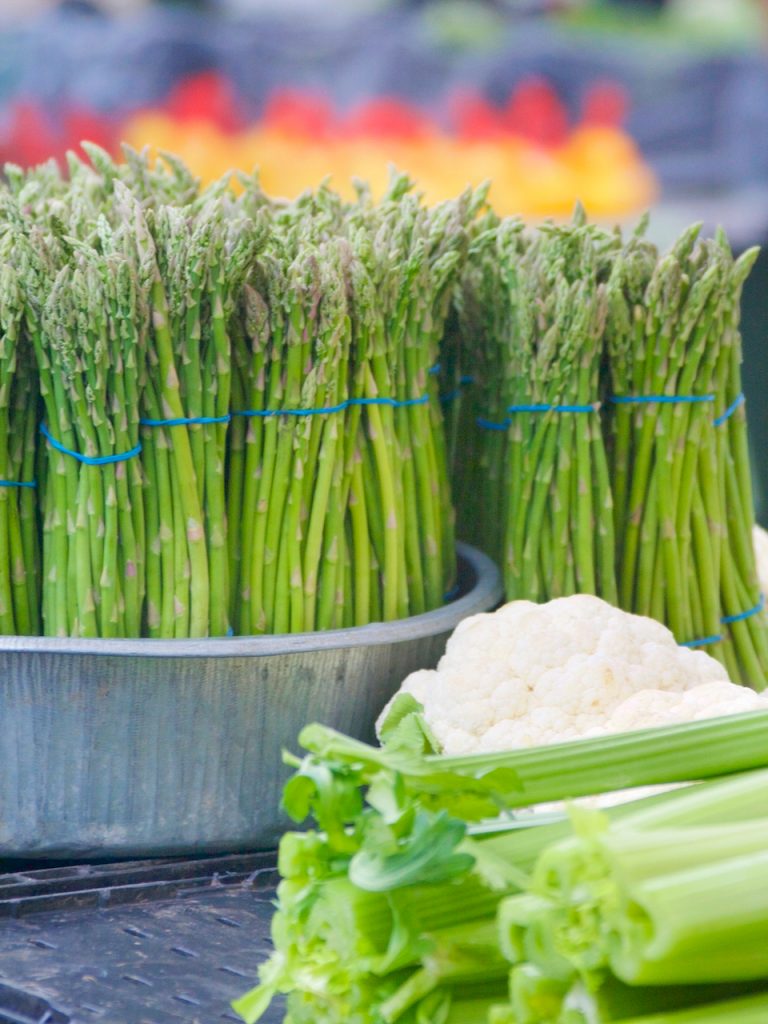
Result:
<point x="486" y="593"/>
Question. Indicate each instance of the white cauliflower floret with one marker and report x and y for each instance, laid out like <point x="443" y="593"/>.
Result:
<point x="531" y="674"/>
<point x="710" y="700"/>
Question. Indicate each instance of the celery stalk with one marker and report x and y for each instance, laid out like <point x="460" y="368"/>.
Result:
<point x="707" y="923"/>
<point x="749" y="1010"/>
<point x="612" y="1000"/>
<point x="735" y="798"/>
<point x="478" y="786"/>
<point x="535" y="996"/>
<point x="673" y="906"/>
<point x="460" y="955"/>
<point x="466" y="1011"/>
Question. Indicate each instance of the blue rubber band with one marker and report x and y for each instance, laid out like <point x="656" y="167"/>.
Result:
<point x="726" y="621"/>
<point x="435" y="369"/>
<point x="738" y="401"/>
<point x="18" y="483"/>
<point x="454" y="592"/>
<point x="491" y="424"/>
<point x="88" y="460"/>
<point x="747" y="614"/>
<point x="534" y="407"/>
<point x="325" y="410"/>
<point x="183" y="421"/>
<point x="705" y="641"/>
<point x="451" y="396"/>
<point x="544" y="407"/>
<point x="664" y="399"/>
<point x="393" y="402"/>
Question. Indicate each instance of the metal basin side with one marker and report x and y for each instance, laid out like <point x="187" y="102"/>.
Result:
<point x="160" y="748"/>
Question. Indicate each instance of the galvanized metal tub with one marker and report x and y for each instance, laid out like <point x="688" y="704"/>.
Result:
<point x="160" y="747"/>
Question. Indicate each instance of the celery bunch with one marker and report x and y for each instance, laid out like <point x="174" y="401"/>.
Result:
<point x="420" y="897"/>
<point x="661" y="912"/>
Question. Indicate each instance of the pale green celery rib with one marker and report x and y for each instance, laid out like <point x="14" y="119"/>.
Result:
<point x="716" y="802"/>
<point x="644" y="856"/>
<point x="749" y="1010"/>
<point x="471" y="1011"/>
<point x="709" y="923"/>
<point x="489" y="783"/>
<point x="681" y="753"/>
<point x="449" y="903"/>
<point x="485" y="975"/>
<point x="344" y="916"/>
<point x="524" y="840"/>
<point x="612" y="1000"/>
<point x="466" y="957"/>
<point x="632" y="856"/>
<point x="514" y="917"/>
<point x="675" y="906"/>
<point x="535" y="995"/>
<point x="731" y="800"/>
<point x="429" y="907"/>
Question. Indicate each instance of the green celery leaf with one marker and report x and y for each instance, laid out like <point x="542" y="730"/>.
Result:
<point x="429" y="854"/>
<point x="388" y="796"/>
<point x="495" y="869"/>
<point x="330" y="792"/>
<point x="405" y="727"/>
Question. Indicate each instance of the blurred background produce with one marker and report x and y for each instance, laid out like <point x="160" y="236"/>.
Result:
<point x="624" y="105"/>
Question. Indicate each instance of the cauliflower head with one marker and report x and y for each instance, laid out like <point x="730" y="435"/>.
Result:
<point x="531" y="674"/>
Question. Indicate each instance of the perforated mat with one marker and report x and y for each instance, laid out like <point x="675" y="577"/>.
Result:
<point x="137" y="943"/>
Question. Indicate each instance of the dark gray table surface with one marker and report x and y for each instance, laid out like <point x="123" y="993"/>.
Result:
<point x="139" y="943"/>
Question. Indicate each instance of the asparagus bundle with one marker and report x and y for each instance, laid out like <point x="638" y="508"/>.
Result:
<point x="571" y="318"/>
<point x="679" y="465"/>
<point x="335" y="482"/>
<point x="338" y="479"/>
<point x="669" y="351"/>
<point x="548" y="501"/>
<point x="200" y="256"/>
<point x="293" y="351"/>
<point x="409" y="256"/>
<point x="744" y="625"/>
<point x="487" y="341"/>
<point x="560" y="536"/>
<point x="86" y="316"/>
<point x="19" y="546"/>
